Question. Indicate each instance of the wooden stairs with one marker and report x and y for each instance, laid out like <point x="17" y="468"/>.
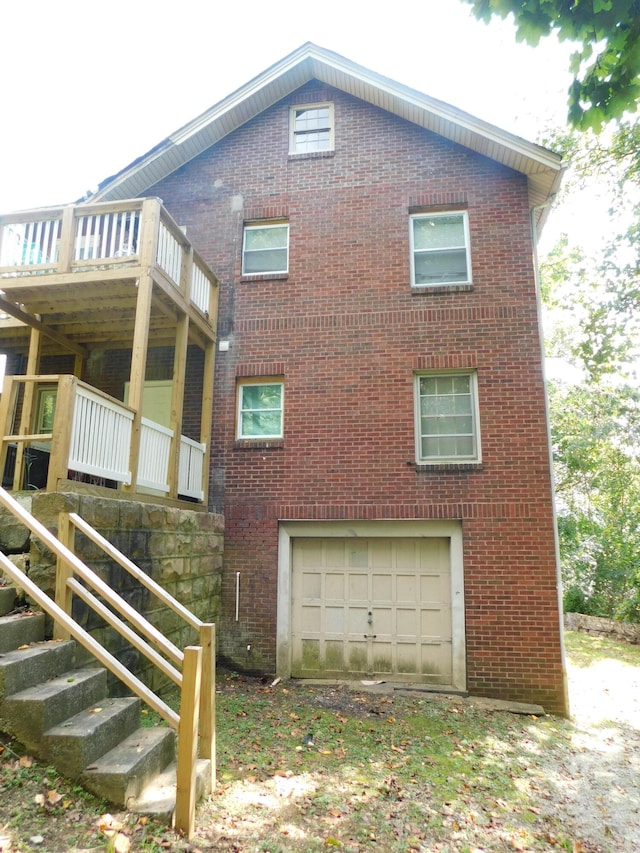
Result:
<point x="64" y="716"/>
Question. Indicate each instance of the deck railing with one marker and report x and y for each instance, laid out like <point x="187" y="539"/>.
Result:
<point x="91" y="434"/>
<point x="81" y="238"/>
<point x="191" y="669"/>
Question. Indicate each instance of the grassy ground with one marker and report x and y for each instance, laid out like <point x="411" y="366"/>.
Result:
<point x="311" y="769"/>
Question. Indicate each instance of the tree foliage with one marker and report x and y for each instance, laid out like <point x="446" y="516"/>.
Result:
<point x="594" y="303"/>
<point x="606" y="62"/>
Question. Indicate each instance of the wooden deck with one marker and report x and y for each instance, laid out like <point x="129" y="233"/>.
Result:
<point x="123" y="275"/>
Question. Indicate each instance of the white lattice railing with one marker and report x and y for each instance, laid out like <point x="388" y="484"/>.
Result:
<point x="113" y="234"/>
<point x="31" y="243"/>
<point x="98" y="237"/>
<point x="190" y="468"/>
<point x="100" y="437"/>
<point x="155" y="452"/>
<point x="200" y="288"/>
<point x="169" y="254"/>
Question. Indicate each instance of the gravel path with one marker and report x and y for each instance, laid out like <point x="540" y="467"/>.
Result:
<point x="597" y="779"/>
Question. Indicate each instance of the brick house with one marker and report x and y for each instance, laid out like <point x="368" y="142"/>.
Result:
<point x="379" y="438"/>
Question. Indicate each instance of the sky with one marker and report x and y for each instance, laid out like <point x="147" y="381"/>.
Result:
<point x="88" y="86"/>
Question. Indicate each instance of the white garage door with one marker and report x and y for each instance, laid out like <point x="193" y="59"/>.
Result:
<point x="372" y="608"/>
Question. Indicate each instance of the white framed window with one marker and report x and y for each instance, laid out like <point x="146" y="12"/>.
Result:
<point x="311" y="128"/>
<point x="447" y="423"/>
<point x="46" y="408"/>
<point x="265" y="248"/>
<point x="260" y="409"/>
<point x="440" y="249"/>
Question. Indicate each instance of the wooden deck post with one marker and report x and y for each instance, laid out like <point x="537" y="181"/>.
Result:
<point x="208" y="697"/>
<point x="138" y="368"/>
<point x="62" y="429"/>
<point x="7" y="411"/>
<point x="28" y="398"/>
<point x="64" y="595"/>
<point x="185" y="814"/>
<point x="207" y="413"/>
<point x="177" y="400"/>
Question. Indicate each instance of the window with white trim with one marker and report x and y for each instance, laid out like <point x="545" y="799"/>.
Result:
<point x="447" y="417"/>
<point x="440" y="249"/>
<point x="265" y="248"/>
<point x="311" y="128"/>
<point x="260" y="409"/>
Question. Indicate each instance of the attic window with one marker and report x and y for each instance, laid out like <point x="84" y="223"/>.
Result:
<point x="311" y="129"/>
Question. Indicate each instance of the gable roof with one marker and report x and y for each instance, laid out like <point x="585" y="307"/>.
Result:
<point x="542" y="167"/>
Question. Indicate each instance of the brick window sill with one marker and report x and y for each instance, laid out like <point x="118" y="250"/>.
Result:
<point x="427" y="290"/>
<point x="445" y="467"/>
<point x="313" y="155"/>
<point x="264" y="276"/>
<point x="258" y="444"/>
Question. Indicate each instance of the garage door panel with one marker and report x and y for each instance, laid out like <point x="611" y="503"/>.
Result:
<point x="358" y="553"/>
<point x="358" y="656"/>
<point x="334" y="586"/>
<point x="334" y="620"/>
<point x="406" y="588"/>
<point x="311" y="586"/>
<point x="383" y="658"/>
<point x="358" y="587"/>
<point x="372" y="608"/>
<point x="358" y="620"/>
<point x="333" y="554"/>
<point x="381" y="556"/>
<point x="312" y="619"/>
<point x="381" y="587"/>
<point x="407" y="622"/>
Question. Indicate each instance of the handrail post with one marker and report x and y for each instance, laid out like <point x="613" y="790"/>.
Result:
<point x="208" y="697"/>
<point x="62" y="430"/>
<point x="64" y="595"/>
<point x="67" y="239"/>
<point x="7" y="410"/>
<point x="185" y="814"/>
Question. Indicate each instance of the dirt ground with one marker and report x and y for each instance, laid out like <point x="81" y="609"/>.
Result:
<point x="597" y="781"/>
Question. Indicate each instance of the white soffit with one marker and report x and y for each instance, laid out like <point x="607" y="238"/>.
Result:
<point x="542" y="167"/>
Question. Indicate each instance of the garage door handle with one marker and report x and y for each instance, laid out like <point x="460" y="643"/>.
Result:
<point x="370" y="636"/>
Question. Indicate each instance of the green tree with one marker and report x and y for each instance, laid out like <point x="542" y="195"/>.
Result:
<point x="606" y="63"/>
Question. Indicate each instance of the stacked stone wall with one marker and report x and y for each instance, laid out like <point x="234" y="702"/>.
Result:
<point x="181" y="549"/>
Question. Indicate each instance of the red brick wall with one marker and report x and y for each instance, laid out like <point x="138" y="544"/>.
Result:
<point x="347" y="333"/>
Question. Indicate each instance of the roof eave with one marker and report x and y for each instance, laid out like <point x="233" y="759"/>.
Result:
<point x="542" y="167"/>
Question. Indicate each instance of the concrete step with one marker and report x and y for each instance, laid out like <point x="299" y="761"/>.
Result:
<point x="122" y="773"/>
<point x="82" y="739"/>
<point x="158" y="799"/>
<point x="7" y="599"/>
<point x="22" y="668"/>
<point x="31" y="712"/>
<point x="20" y="629"/>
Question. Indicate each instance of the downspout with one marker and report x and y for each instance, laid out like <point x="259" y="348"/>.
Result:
<point x="536" y="273"/>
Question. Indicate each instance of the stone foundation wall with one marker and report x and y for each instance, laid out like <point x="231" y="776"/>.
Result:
<point x="180" y="549"/>
<point x="598" y="627"/>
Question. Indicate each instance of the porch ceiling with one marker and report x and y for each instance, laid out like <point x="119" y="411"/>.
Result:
<point x="89" y="313"/>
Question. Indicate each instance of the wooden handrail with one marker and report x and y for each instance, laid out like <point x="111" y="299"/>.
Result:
<point x="197" y="679"/>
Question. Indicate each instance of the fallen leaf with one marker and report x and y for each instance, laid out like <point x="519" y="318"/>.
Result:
<point x="53" y="797"/>
<point x="95" y="710"/>
<point x="25" y="761"/>
<point x="39" y="799"/>
<point x="121" y="844"/>
<point x="23" y="647"/>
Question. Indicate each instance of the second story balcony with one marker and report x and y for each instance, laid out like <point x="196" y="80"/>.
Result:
<point x="114" y="297"/>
